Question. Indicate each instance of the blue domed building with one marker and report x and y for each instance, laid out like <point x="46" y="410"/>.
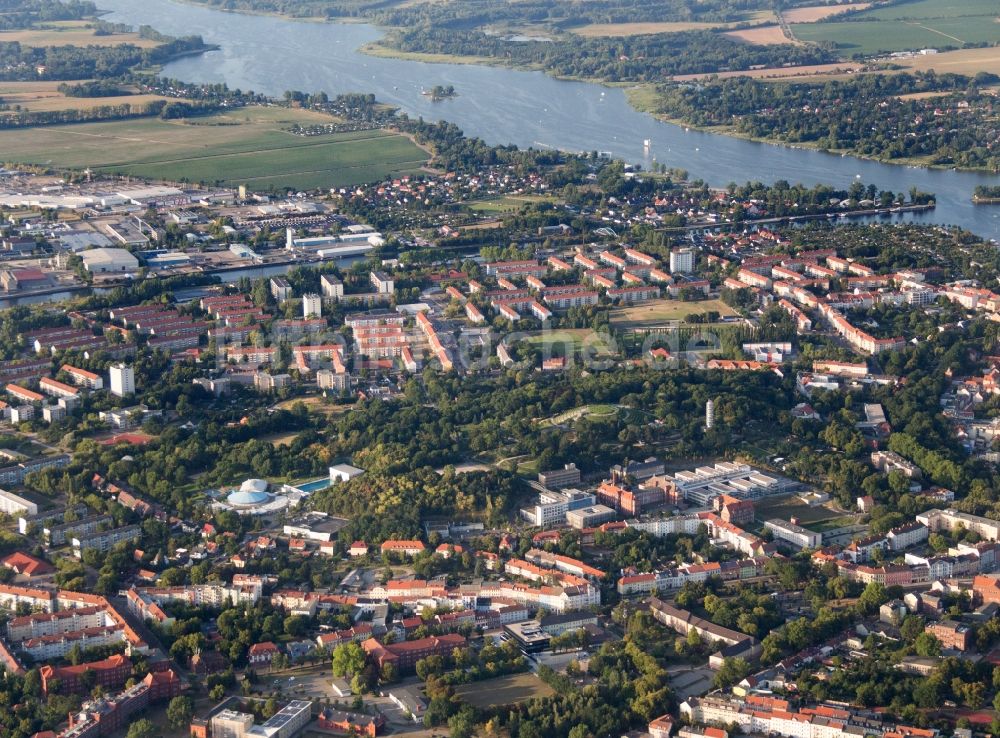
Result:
<point x="251" y="493"/>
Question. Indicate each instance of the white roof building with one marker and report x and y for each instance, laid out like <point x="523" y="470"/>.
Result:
<point x="106" y="261"/>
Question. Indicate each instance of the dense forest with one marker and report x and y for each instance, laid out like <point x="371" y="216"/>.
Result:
<point x="472" y="13"/>
<point x="631" y="59"/>
<point x="872" y="115"/>
<point x="28" y="63"/>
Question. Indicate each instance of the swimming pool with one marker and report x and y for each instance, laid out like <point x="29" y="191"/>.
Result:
<point x="315" y="485"/>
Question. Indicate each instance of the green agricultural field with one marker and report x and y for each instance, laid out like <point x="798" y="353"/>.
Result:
<point x="247" y="146"/>
<point x="907" y="26"/>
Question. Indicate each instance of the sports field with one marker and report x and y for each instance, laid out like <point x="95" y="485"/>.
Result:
<point x="506" y="690"/>
<point x="246" y="146"/>
<point x="908" y="26"/>
<point x="505" y="204"/>
<point x="658" y="312"/>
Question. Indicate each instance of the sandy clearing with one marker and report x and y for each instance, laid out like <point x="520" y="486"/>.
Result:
<point x="814" y="13"/>
<point x="638" y="29"/>
<point x="762" y="36"/>
<point x="780" y="72"/>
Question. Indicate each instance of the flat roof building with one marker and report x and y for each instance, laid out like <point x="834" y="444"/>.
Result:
<point x="107" y="260"/>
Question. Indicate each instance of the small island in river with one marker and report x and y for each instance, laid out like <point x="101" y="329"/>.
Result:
<point x="986" y="195"/>
<point x="440" y="92"/>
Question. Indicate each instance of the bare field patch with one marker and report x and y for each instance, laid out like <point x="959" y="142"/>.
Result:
<point x="76" y="35"/>
<point x="813" y="13"/>
<point x="595" y="30"/>
<point x="922" y="95"/>
<point x="963" y="61"/>
<point x="664" y="310"/>
<point x="505" y="690"/>
<point x="761" y="36"/>
<point x="43" y="97"/>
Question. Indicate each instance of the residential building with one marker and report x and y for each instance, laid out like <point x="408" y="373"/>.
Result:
<point x="952" y="635"/>
<point x="404" y="655"/>
<point x="83" y="378"/>
<point x="405" y="548"/>
<point x="350" y="723"/>
<point x="260" y="655"/>
<point x="907" y="535"/>
<point x="733" y="510"/>
<point x="57" y="389"/>
<point x="382" y="283"/>
<point x="281" y="290"/>
<point x="104" y="540"/>
<point x="122" y="380"/>
<point x="681" y="260"/>
<point x="11" y="504"/>
<point x="110" y="674"/>
<point x="793" y="533"/>
<point x="937" y="520"/>
<point x="61" y="533"/>
<point x="767" y="715"/>
<point x="568" y="476"/>
<point x="312" y="305"/>
<point x="331" y="286"/>
<point x="682" y="621"/>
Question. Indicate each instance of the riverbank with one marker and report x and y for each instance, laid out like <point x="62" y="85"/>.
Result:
<point x="381" y="51"/>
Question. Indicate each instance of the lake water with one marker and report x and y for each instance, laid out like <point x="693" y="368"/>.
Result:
<point x="503" y="106"/>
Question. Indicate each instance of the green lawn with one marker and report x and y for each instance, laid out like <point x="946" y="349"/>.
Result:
<point x="596" y="412"/>
<point x="908" y="26"/>
<point x="506" y="204"/>
<point x="824" y="526"/>
<point x="791" y="507"/>
<point x="246" y="146"/>
<point x="571" y="341"/>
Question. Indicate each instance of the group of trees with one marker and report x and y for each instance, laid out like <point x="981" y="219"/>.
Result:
<point x="18" y="14"/>
<point x="19" y="62"/>
<point x="618" y="59"/>
<point x="868" y="115"/>
<point x="165" y="109"/>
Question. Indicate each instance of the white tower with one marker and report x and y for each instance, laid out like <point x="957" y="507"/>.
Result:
<point x="312" y="305"/>
<point x="289" y="239"/>
<point x="122" y="380"/>
<point x="709" y="414"/>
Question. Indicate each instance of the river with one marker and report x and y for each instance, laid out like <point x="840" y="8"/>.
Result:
<point x="504" y="106"/>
